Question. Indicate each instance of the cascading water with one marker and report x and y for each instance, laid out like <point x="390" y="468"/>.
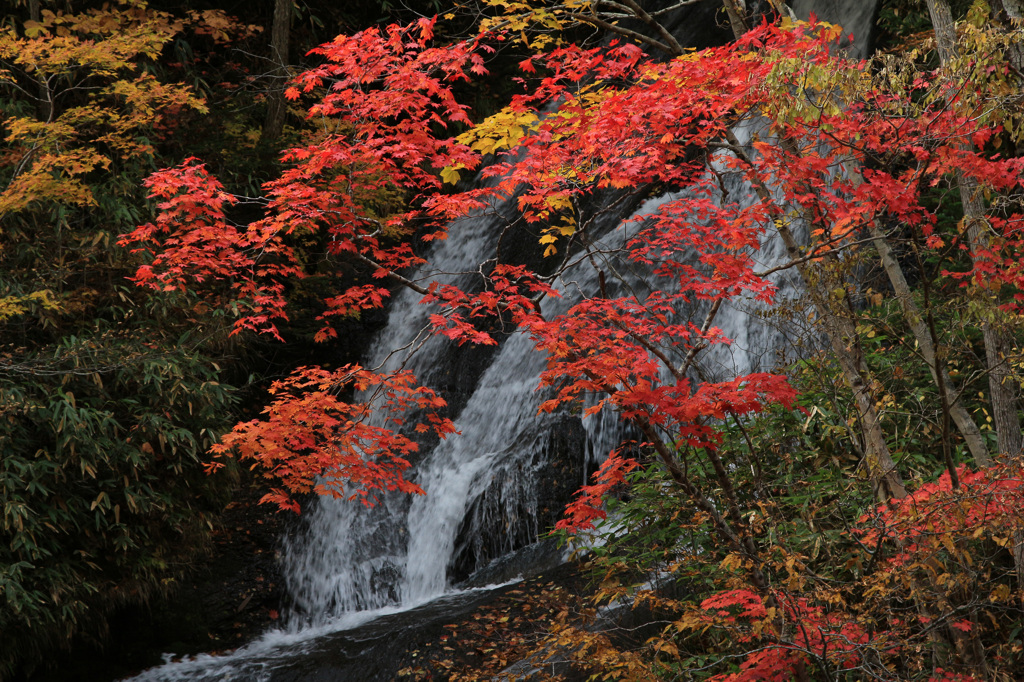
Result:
<point x="483" y="487"/>
<point x="350" y="557"/>
<point x="480" y="485"/>
<point x="354" y="558"/>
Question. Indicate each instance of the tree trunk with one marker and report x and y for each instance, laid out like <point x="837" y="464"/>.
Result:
<point x="1014" y="9"/>
<point x="44" y="101"/>
<point x="276" y="104"/>
<point x="737" y="17"/>
<point x="1000" y="381"/>
<point x="842" y="337"/>
<point x="961" y="417"/>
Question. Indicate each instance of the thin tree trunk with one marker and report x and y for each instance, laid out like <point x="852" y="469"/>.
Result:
<point x="737" y="17"/>
<point x="841" y="332"/>
<point x="1001" y="389"/>
<point x="276" y="104"/>
<point x="845" y="344"/>
<point x="1008" y="13"/>
<point x="44" y="101"/>
<point x="961" y="417"/>
<point x="1000" y="380"/>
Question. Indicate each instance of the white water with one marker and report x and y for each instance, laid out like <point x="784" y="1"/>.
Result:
<point x="356" y="558"/>
<point x="280" y="652"/>
<point x="353" y="564"/>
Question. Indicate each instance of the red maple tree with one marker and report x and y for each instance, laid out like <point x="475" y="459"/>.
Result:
<point x="593" y="121"/>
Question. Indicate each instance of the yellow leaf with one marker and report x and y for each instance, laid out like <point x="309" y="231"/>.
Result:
<point x="558" y="202"/>
<point x="1000" y="593"/>
<point x="669" y="648"/>
<point x="732" y="561"/>
<point x="33" y="29"/>
<point x="450" y="174"/>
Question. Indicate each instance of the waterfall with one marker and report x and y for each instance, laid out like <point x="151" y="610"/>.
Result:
<point x="485" y="488"/>
<point x="353" y="558"/>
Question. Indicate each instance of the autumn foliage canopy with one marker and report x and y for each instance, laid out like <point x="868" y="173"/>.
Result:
<point x="821" y="146"/>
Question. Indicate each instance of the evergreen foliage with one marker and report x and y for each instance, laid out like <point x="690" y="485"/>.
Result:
<point x="842" y="518"/>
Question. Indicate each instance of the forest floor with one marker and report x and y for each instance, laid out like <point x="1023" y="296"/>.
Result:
<point x="505" y="631"/>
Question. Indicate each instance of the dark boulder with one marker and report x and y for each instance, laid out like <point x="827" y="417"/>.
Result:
<point x="524" y="496"/>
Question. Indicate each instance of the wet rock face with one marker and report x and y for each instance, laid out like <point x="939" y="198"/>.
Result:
<point x="698" y="26"/>
<point x="857" y="17"/>
<point x="704" y="24"/>
<point x="523" y="496"/>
